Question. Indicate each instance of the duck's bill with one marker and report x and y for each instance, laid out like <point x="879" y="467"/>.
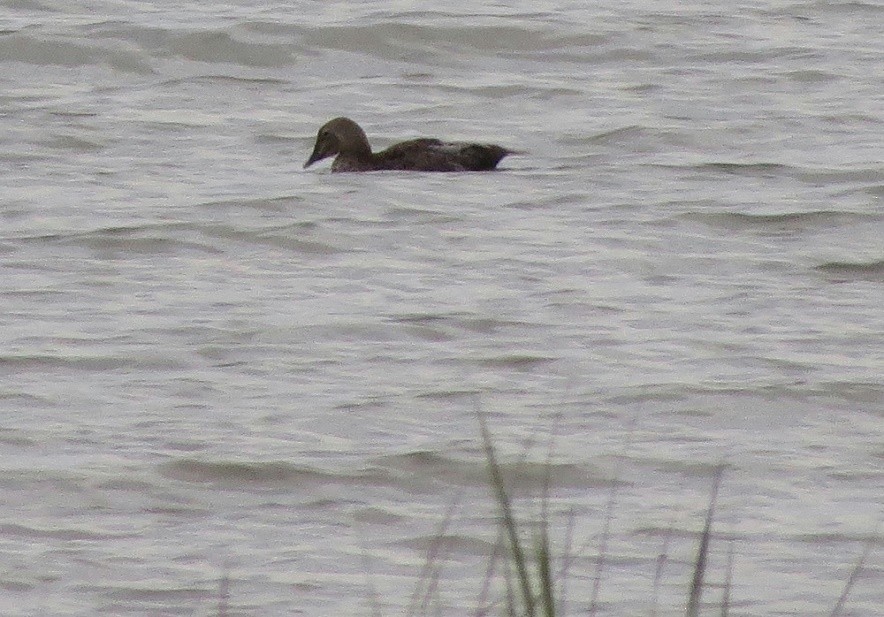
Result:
<point x="313" y="158"/>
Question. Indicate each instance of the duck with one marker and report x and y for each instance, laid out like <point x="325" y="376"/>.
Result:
<point x="346" y="139"/>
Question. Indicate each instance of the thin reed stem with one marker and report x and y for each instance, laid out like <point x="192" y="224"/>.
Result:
<point x="693" y="609"/>
<point x="857" y="568"/>
<point x="509" y="522"/>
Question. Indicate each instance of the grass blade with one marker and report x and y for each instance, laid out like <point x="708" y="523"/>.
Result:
<point x="852" y="578"/>
<point x="566" y="564"/>
<point x="373" y="596"/>
<point x="544" y="570"/>
<point x="428" y="579"/>
<point x="662" y="559"/>
<point x="603" y="549"/>
<point x="224" y="592"/>
<point x="693" y="609"/>
<point x="728" y="581"/>
<point x="482" y="604"/>
<point x="508" y="520"/>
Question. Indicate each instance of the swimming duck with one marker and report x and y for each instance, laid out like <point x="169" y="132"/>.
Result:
<point x="345" y="138"/>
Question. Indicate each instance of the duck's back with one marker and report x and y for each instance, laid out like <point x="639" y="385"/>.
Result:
<point x="428" y="154"/>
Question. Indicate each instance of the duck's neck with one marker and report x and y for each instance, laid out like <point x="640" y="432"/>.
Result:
<point x="357" y="149"/>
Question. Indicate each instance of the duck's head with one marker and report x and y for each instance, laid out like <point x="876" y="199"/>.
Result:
<point x="339" y="136"/>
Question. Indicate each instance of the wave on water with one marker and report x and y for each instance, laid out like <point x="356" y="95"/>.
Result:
<point x="755" y="170"/>
<point x="209" y="238"/>
<point x="57" y="533"/>
<point x="525" y="475"/>
<point x="28" y="363"/>
<point x="132" y="47"/>
<point x="770" y="170"/>
<point x="786" y="221"/>
<point x="389" y="39"/>
<point x="845" y="270"/>
<point x="247" y="473"/>
<point x="42" y="50"/>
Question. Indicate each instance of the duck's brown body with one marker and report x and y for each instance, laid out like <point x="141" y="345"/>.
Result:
<point x="344" y="138"/>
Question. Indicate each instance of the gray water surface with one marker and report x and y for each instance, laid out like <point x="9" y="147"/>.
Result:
<point x="215" y="363"/>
